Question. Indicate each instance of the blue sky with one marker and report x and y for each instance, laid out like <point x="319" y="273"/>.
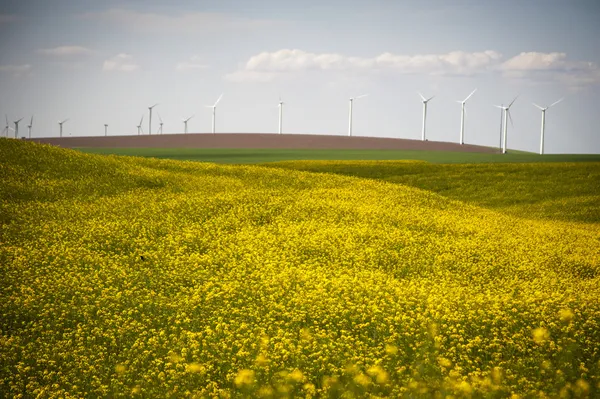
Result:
<point x="106" y="62"/>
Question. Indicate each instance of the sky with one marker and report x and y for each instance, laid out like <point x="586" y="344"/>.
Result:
<point x="105" y="62"/>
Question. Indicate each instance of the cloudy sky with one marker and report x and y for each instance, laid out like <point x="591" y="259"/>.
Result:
<point x="99" y="62"/>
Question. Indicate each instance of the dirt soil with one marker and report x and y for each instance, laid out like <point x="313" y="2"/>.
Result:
<point x="262" y="141"/>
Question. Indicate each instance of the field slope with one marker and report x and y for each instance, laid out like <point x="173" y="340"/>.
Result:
<point x="134" y="277"/>
<point x="566" y="191"/>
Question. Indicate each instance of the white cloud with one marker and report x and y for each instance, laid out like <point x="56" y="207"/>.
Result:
<point x="194" y="63"/>
<point x="121" y="62"/>
<point x="65" y="51"/>
<point x="16" y="70"/>
<point x="182" y="23"/>
<point x="295" y="61"/>
<point x="533" y="66"/>
<point x="551" y="67"/>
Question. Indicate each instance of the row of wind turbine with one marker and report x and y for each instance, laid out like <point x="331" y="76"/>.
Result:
<point x="504" y="116"/>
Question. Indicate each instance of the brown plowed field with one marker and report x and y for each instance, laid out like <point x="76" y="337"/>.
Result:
<point x="262" y="141"/>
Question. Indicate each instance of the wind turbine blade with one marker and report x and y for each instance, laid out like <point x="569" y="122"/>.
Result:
<point x="361" y="96"/>
<point x="540" y="108"/>
<point x="159" y="118"/>
<point x="430" y="98"/>
<point x="65" y="120"/>
<point x="499" y="106"/>
<point x="6" y="116"/>
<point x="511" y="103"/>
<point x="510" y="117"/>
<point x="154" y="105"/>
<point x="19" y="120"/>
<point x="31" y="121"/>
<point x="469" y="96"/>
<point x="142" y="120"/>
<point x="219" y="99"/>
<point x="556" y="102"/>
<point x="422" y="96"/>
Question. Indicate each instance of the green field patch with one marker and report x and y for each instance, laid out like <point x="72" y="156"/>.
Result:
<point x="247" y="156"/>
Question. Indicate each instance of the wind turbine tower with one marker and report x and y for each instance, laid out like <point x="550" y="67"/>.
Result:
<point x="17" y="127"/>
<point x="160" y="125"/>
<point x="350" y="116"/>
<point x="462" y="117"/>
<point x="185" y="121"/>
<point x="139" y="127"/>
<point x="501" y="124"/>
<point x="105" y="129"/>
<point x="214" y="107"/>
<point x="30" y="126"/>
<point x="507" y="115"/>
<point x="425" y="101"/>
<point x="6" y="128"/>
<point x="544" y="122"/>
<point x="150" y="118"/>
<point x="280" y="114"/>
<point x="60" y="125"/>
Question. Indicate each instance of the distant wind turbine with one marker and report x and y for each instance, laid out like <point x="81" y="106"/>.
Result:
<point x="462" y="117"/>
<point x="214" y="107"/>
<point x="105" y="129"/>
<point x="60" y="125"/>
<point x="544" y="122"/>
<point x="507" y="115"/>
<point x="6" y="128"/>
<point x="160" y="125"/>
<point x="30" y="126"/>
<point x="501" y="129"/>
<point x="425" y="101"/>
<point x="280" y="114"/>
<point x="17" y="127"/>
<point x="185" y="121"/>
<point x="150" y="118"/>
<point x="139" y="127"/>
<point x="350" y="116"/>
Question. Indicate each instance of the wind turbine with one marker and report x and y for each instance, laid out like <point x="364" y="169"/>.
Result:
<point x="425" y="101"/>
<point x="501" y="124"/>
<point x="506" y="111"/>
<point x="105" y="129"/>
<point x="160" y="125"/>
<point x="462" y="117"/>
<point x="60" y="124"/>
<point x="140" y="130"/>
<point x="350" y="117"/>
<point x="544" y="122"/>
<point x="150" y="118"/>
<point x="17" y="127"/>
<point x="214" y="107"/>
<point x="280" y="114"/>
<point x="7" y="127"/>
<point x="185" y="121"/>
<point x="30" y="126"/>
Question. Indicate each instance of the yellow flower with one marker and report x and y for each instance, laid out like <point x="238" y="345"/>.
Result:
<point x="540" y="335"/>
<point x="566" y="315"/>
<point x="195" y="368"/>
<point x="244" y="377"/>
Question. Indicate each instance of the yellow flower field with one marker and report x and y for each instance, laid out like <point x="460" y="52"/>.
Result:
<point x="130" y="277"/>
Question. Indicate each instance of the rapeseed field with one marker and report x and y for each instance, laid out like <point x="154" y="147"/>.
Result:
<point x="129" y="277"/>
